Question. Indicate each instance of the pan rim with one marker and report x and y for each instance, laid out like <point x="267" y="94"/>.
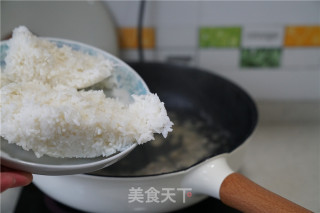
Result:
<point x="251" y="130"/>
<point x="156" y="176"/>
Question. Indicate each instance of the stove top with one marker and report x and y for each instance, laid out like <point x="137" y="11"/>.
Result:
<point x="32" y="200"/>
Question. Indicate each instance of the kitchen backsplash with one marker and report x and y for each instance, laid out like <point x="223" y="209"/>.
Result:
<point x="271" y="48"/>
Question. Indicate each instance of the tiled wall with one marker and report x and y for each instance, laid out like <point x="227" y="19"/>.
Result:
<point x="270" y="48"/>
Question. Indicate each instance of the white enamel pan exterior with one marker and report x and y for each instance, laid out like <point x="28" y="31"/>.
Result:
<point x="111" y="194"/>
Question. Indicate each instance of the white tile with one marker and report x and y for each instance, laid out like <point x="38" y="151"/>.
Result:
<point x="262" y="36"/>
<point x="132" y="55"/>
<point x="171" y="37"/>
<point x="275" y="85"/>
<point x="176" y="13"/>
<point x="219" y="60"/>
<point x="184" y="56"/>
<point x="297" y="58"/>
<point x="192" y="13"/>
<point x="126" y="13"/>
<point x="287" y="112"/>
<point x="260" y="12"/>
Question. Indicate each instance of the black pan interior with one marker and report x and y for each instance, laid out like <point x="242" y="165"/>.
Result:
<point x="192" y="94"/>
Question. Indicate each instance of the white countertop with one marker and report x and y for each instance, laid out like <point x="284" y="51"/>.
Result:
<point x="283" y="155"/>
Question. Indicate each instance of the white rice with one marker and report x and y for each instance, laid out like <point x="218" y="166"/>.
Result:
<point x="32" y="58"/>
<point x="41" y="111"/>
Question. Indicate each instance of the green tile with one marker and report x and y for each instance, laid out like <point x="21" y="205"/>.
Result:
<point x="219" y="37"/>
<point x="261" y="57"/>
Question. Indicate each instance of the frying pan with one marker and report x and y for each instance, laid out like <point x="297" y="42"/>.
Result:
<point x="191" y="93"/>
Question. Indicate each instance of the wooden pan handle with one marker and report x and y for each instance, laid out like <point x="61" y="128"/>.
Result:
<point x="241" y="193"/>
